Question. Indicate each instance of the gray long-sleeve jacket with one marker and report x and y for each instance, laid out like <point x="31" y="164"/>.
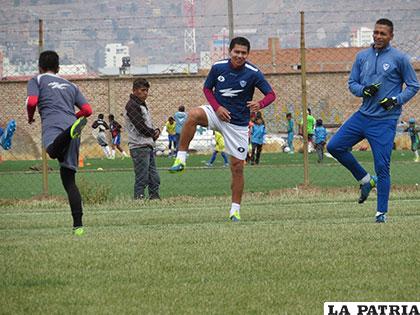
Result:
<point x="139" y="124"/>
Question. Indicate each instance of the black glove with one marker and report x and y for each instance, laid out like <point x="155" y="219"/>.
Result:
<point x="371" y="90"/>
<point x="388" y="103"/>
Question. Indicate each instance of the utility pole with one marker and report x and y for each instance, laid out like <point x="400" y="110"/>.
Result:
<point x="304" y="100"/>
<point x="230" y="19"/>
<point x="44" y="152"/>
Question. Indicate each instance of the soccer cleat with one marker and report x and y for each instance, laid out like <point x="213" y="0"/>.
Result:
<point x="178" y="166"/>
<point x="76" y="128"/>
<point x="78" y="231"/>
<point x="6" y="138"/>
<point x="235" y="217"/>
<point x="417" y="159"/>
<point x="366" y="188"/>
<point x="226" y="165"/>
<point x="380" y="218"/>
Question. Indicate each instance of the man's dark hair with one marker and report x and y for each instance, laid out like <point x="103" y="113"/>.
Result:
<point x="242" y="41"/>
<point x="181" y="108"/>
<point x="309" y="111"/>
<point x="288" y="115"/>
<point x="49" y="61"/>
<point x="101" y="116"/>
<point x="111" y="117"/>
<point x="141" y="83"/>
<point x="386" y="22"/>
<point x="319" y="122"/>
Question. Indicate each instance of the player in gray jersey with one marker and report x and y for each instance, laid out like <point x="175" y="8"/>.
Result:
<point x="56" y="98"/>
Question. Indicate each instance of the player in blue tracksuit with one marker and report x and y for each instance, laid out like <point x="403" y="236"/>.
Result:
<point x="378" y="75"/>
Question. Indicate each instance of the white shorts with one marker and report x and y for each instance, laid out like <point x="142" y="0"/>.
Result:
<point x="236" y="137"/>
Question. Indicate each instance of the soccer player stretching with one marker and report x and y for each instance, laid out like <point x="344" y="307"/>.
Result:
<point x="61" y="126"/>
<point x="377" y="76"/>
<point x="229" y="89"/>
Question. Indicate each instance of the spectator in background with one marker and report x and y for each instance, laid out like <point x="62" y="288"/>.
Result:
<point x="141" y="141"/>
<point x="290" y="132"/>
<point x="102" y="126"/>
<point x="171" y="129"/>
<point x="115" y="129"/>
<point x="220" y="147"/>
<point x="414" y="137"/>
<point x="311" y="124"/>
<point x="257" y="139"/>
<point x="180" y="119"/>
<point x="320" y="139"/>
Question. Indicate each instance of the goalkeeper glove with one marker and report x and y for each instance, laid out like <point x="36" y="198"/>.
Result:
<point x="371" y="90"/>
<point x="388" y="103"/>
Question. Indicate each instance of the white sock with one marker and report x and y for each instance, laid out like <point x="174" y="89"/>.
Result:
<point x="124" y="154"/>
<point x="234" y="207"/>
<point x="416" y="153"/>
<point x="113" y="153"/>
<point x="182" y="156"/>
<point x="107" y="151"/>
<point x="365" y="179"/>
<point x="378" y="213"/>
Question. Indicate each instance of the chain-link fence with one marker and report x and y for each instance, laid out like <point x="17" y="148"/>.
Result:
<point x="105" y="70"/>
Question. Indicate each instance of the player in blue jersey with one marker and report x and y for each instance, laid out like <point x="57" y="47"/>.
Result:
<point x="229" y="89"/>
<point x="378" y="76"/>
<point x="56" y="98"/>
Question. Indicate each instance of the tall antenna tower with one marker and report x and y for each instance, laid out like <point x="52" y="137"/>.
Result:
<point x="189" y="33"/>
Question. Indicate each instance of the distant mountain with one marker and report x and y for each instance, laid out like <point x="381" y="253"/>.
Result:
<point x="155" y="29"/>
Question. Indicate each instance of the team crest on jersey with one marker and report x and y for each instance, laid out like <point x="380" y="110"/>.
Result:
<point x="242" y="83"/>
<point x="221" y="78"/>
<point x="386" y="66"/>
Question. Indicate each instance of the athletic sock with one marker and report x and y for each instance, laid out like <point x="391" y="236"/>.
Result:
<point x="182" y="156"/>
<point x="124" y="154"/>
<point x="365" y="179"/>
<point x="416" y="153"/>
<point x="113" y="153"/>
<point x="378" y="213"/>
<point x="234" y="207"/>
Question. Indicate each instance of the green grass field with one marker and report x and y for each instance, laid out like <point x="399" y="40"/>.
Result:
<point x="294" y="249"/>
<point x="276" y="171"/>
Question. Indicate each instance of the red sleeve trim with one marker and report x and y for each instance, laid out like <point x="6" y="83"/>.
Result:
<point x="31" y="103"/>
<point x="85" y="110"/>
<point x="268" y="99"/>
<point x="211" y="99"/>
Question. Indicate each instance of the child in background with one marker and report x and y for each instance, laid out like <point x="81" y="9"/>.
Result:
<point x="320" y="134"/>
<point x="115" y="129"/>
<point x="102" y="126"/>
<point x="6" y="135"/>
<point x="414" y="136"/>
<point x="257" y="139"/>
<point x="220" y="147"/>
<point x="171" y="129"/>
<point x="290" y="132"/>
<point x="180" y="118"/>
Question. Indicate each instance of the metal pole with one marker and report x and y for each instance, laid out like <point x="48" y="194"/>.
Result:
<point x="44" y="152"/>
<point x="304" y="100"/>
<point x="230" y="18"/>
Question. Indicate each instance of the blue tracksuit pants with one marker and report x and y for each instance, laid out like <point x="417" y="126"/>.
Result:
<point x="380" y="134"/>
